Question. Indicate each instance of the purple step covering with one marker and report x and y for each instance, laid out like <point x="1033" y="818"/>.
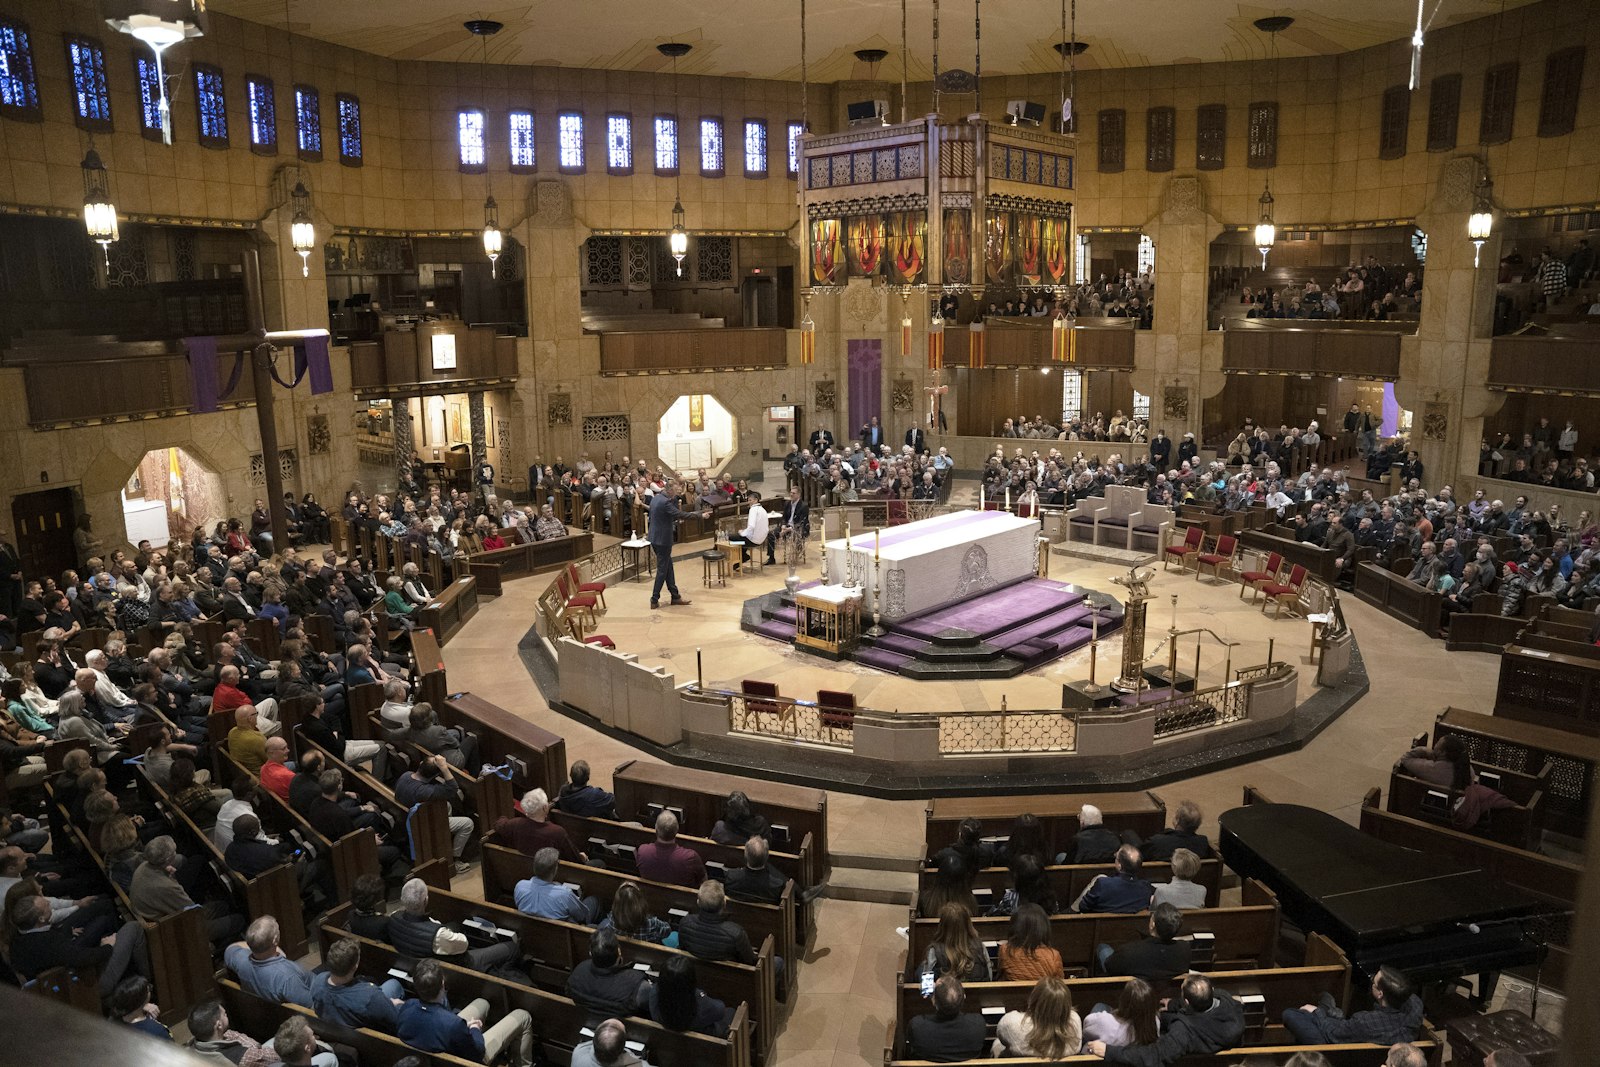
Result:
<point x="776" y="630"/>
<point x="882" y="659"/>
<point x="994" y="612"/>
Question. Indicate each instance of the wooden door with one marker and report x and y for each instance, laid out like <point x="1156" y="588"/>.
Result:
<point x="44" y="522"/>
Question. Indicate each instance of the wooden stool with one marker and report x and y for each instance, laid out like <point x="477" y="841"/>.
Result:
<point x="716" y="567"/>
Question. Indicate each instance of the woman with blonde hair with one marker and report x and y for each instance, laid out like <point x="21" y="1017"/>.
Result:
<point x="956" y="948"/>
<point x="1048" y="1029"/>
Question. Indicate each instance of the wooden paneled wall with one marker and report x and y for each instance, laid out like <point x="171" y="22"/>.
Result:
<point x="666" y="351"/>
<point x="1358" y="353"/>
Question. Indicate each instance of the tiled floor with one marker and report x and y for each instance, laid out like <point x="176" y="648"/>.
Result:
<point x="845" y="988"/>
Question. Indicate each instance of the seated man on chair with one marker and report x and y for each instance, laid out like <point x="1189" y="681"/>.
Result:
<point x="755" y="529"/>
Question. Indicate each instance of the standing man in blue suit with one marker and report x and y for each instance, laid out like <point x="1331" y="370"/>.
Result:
<point x="664" y="516"/>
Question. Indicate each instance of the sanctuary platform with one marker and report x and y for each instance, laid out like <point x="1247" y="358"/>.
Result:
<point x="996" y="634"/>
<point x="936" y="561"/>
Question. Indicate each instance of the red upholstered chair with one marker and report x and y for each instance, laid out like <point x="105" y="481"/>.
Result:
<point x="1220" y="556"/>
<point x="576" y="629"/>
<point x="1025" y="511"/>
<point x="1255" y="579"/>
<point x="753" y="692"/>
<point x="583" y="603"/>
<point x="582" y="588"/>
<point x="897" y="512"/>
<point x="1192" y="542"/>
<point x="1278" y="592"/>
<point x="837" y="710"/>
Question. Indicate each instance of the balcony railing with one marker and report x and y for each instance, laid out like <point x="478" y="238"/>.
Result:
<point x="689" y="351"/>
<point x="1565" y="366"/>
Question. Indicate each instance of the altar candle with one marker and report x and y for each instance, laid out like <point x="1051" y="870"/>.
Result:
<point x="1094" y="628"/>
<point x="980" y="498"/>
<point x="1008" y="498"/>
<point x="875" y="535"/>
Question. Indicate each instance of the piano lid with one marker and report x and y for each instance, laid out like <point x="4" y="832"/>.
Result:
<point x="1351" y="886"/>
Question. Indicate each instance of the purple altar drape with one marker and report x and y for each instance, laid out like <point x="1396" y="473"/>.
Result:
<point x="866" y="386"/>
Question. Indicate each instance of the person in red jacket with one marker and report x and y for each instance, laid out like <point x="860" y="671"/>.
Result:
<point x="664" y="860"/>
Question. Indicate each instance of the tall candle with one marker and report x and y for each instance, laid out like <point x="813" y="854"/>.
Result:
<point x="875" y="535"/>
<point x="1008" y="498"/>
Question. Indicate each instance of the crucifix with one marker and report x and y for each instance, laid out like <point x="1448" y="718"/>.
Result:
<point x="259" y="344"/>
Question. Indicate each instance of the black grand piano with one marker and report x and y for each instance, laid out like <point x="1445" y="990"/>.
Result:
<point x="1433" y="917"/>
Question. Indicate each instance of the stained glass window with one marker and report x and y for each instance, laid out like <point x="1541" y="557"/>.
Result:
<point x="1141" y="406"/>
<point x="211" y="105"/>
<point x="19" y="88"/>
<point x="308" y="122"/>
<point x="666" y="144"/>
<point x="521" y="132"/>
<point x="469" y="137"/>
<point x="149" y="83"/>
<point x="711" y="147"/>
<point x="619" y="144"/>
<point x="263" y="115"/>
<point x="755" y="148"/>
<point x="569" y="128"/>
<point x="91" y="101"/>
<point x="1072" y="394"/>
<point x="349" y="130"/>
<point x="795" y="130"/>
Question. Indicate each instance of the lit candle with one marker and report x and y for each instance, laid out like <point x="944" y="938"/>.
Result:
<point x="875" y="535"/>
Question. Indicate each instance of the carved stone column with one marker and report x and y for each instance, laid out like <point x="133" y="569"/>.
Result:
<point x="1177" y="362"/>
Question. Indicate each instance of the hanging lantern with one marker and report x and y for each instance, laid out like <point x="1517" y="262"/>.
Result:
<point x="1480" y="224"/>
<point x="302" y="233"/>
<point x="1058" y="341"/>
<point x="99" y="213"/>
<point x="1266" y="231"/>
<point x="975" y="338"/>
<point x="905" y="324"/>
<point x="936" y="342"/>
<point x="493" y="240"/>
<point x="678" y="239"/>
<point x="159" y="24"/>
<point x="808" y="335"/>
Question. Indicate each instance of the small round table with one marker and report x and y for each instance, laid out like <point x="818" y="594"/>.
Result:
<point x="640" y="555"/>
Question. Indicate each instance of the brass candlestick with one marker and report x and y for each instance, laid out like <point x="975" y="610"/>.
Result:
<point x="1093" y="688"/>
<point x="1137" y="582"/>
<point x="876" y="629"/>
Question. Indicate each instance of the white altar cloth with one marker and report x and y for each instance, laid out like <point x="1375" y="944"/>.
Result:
<point x="938" y="561"/>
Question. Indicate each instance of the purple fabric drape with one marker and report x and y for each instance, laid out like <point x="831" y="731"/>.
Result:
<point x="866" y="386"/>
<point x="315" y="352"/>
<point x="204" y="389"/>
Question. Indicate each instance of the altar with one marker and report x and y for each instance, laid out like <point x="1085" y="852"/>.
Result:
<point x="937" y="561"/>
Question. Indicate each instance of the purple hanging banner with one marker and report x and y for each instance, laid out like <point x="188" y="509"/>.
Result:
<point x="316" y="356"/>
<point x="203" y="386"/>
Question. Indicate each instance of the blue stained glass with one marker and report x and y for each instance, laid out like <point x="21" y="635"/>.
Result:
<point x="666" y="142"/>
<point x="522" y="156"/>
<point x="149" y="94"/>
<point x="19" y="88"/>
<point x="308" y="120"/>
<point x="263" y="114"/>
<point x="349" y="129"/>
<point x="212" y="104"/>
<point x="89" y="95"/>
<point x="711" y="146"/>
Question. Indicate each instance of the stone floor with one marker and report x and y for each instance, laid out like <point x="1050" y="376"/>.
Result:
<point x="844" y="1000"/>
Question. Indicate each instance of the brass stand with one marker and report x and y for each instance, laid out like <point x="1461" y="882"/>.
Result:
<point x="876" y="629"/>
<point x="1137" y="582"/>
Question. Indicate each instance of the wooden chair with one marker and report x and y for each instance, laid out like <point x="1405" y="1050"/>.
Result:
<point x="575" y="628"/>
<point x="1193" y="540"/>
<point x="583" y="603"/>
<point x="754" y="690"/>
<point x="1255" y="579"/>
<point x="1221" y="555"/>
<point x="1278" y="592"/>
<point x="837" y="710"/>
<point x="595" y="589"/>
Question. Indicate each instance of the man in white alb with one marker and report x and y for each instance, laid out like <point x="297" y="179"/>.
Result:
<point x="755" y="529"/>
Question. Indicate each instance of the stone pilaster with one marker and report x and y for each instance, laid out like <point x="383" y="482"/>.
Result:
<point x="1177" y="362"/>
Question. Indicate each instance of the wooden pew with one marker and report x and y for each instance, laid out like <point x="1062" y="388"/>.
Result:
<point x="1347" y="1055"/>
<point x="431" y="684"/>
<point x="361" y="702"/>
<point x="642" y="789"/>
<point x="494" y="568"/>
<point x="1142" y="812"/>
<point x="1550" y="688"/>
<point x="557" y="947"/>
<point x="1403" y="600"/>
<point x="275" y="892"/>
<point x="622" y="839"/>
<point x="504" y="867"/>
<point x="1316" y="560"/>
<point x="485" y="799"/>
<point x="1240" y="937"/>
<point x="1068" y="881"/>
<point x="429" y="827"/>
<point x="179" y="945"/>
<point x="249" y="1013"/>
<point x="1471" y="631"/>
<point x="1527" y="747"/>
<point x="450" y="608"/>
<point x="538" y="758"/>
<point x="1551" y="879"/>
<point x="353" y="855"/>
<point x="557" y="1021"/>
<point x="1326" y="970"/>
<point x="1518" y="826"/>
